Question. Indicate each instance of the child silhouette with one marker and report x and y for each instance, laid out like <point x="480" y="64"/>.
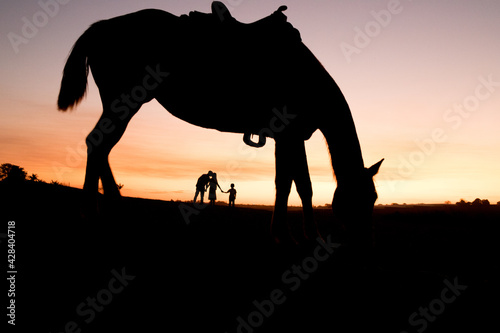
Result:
<point x="232" y="195"/>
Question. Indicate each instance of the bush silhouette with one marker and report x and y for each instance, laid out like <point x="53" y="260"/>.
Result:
<point x="462" y="202"/>
<point x="34" y="178"/>
<point x="476" y="203"/>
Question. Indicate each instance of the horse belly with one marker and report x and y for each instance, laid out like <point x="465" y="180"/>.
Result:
<point x="216" y="102"/>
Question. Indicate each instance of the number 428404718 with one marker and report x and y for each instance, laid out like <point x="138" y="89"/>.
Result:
<point x="11" y="234"/>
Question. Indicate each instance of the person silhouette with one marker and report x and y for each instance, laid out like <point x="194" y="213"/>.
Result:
<point x="232" y="195"/>
<point x="201" y="185"/>
<point x="213" y="184"/>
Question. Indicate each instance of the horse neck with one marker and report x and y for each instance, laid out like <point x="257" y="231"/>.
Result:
<point x="338" y="127"/>
<point x="334" y="117"/>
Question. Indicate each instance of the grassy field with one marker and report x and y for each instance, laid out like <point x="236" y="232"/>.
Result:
<point x="147" y="265"/>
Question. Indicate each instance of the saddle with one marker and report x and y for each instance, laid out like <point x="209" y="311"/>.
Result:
<point x="220" y="14"/>
<point x="221" y="17"/>
<point x="219" y="29"/>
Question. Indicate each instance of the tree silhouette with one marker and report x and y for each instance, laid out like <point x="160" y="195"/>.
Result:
<point x="10" y="173"/>
<point x="477" y="202"/>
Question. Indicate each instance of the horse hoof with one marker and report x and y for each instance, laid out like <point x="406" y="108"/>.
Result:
<point x="283" y="236"/>
<point x="313" y="234"/>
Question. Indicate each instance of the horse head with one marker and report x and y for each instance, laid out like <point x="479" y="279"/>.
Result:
<point x="354" y="200"/>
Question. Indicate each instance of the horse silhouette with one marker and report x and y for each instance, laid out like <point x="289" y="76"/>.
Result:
<point x="212" y="71"/>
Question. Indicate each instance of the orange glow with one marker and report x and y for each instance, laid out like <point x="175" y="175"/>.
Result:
<point x="418" y="75"/>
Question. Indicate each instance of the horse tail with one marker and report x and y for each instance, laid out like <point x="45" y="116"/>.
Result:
<point x="76" y="70"/>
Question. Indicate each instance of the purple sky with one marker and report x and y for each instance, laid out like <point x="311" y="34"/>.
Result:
<point x="422" y="78"/>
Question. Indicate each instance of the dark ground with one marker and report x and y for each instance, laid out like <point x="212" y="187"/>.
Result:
<point x="206" y="275"/>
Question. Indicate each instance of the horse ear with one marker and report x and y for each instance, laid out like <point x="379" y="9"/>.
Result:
<point x="220" y="9"/>
<point x="373" y="170"/>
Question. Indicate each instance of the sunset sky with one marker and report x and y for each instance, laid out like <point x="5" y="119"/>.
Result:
<point x="422" y="79"/>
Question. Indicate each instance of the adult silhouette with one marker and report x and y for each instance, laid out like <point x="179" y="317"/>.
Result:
<point x="201" y="185"/>
<point x="215" y="72"/>
<point x="212" y="189"/>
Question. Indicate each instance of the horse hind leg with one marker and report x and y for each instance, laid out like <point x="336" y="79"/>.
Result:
<point x="107" y="132"/>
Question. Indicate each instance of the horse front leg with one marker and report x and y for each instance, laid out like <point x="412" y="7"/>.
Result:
<point x="304" y="188"/>
<point x="280" y="229"/>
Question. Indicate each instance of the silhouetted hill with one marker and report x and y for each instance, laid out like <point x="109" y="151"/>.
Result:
<point x="140" y="267"/>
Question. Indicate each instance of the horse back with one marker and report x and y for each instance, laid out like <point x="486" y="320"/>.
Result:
<point x="230" y="77"/>
<point x="122" y="47"/>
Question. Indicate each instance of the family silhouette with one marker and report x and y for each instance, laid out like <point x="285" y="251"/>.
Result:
<point x="208" y="181"/>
